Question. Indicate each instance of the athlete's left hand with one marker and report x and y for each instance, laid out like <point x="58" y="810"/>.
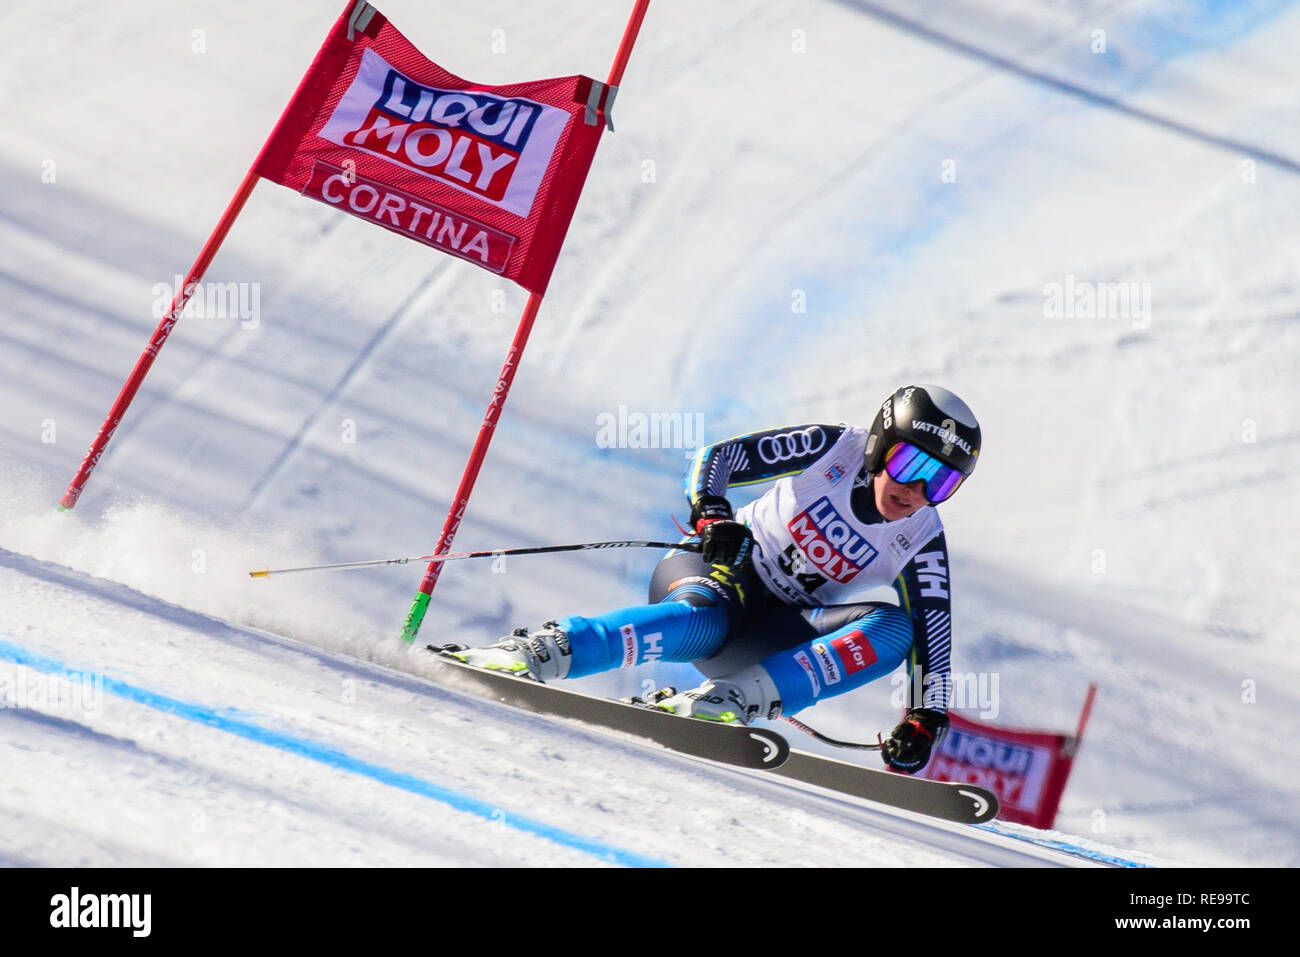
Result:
<point x="908" y="746"/>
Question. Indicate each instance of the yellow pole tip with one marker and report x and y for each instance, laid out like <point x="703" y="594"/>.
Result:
<point x="262" y="573"/>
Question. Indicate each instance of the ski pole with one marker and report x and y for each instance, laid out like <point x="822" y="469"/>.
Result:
<point x="493" y="553"/>
<point x="831" y="741"/>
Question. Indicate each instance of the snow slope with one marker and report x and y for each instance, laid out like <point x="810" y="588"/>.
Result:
<point x="238" y="747"/>
<point x="805" y="204"/>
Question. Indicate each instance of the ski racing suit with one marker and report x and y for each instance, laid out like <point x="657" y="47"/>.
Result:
<point x="797" y="609"/>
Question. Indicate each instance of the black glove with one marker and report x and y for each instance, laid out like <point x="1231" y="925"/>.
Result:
<point x="724" y="542"/>
<point x="908" y="746"/>
<point x="709" y="508"/>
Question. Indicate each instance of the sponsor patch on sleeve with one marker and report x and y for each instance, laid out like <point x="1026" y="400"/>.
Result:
<point x="629" y="645"/>
<point x="854" y="651"/>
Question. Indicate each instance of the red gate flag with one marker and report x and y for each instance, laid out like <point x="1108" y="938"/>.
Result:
<point x="1026" y="769"/>
<point x="487" y="173"/>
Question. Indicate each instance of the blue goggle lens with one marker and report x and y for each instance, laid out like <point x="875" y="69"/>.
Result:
<point x="905" y="464"/>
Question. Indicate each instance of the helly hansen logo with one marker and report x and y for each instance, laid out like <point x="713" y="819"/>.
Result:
<point x="932" y="574"/>
<point x="653" y="645"/>
<point x="829" y="542"/>
<point x="854" y="651"/>
<point x="492" y="147"/>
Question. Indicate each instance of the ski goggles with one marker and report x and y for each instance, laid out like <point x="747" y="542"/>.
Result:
<point x="906" y="464"/>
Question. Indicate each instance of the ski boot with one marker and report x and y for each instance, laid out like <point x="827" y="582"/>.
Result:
<point x="543" y="655"/>
<point x="738" y="698"/>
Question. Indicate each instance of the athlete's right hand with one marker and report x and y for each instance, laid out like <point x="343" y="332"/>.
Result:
<point x="725" y="542"/>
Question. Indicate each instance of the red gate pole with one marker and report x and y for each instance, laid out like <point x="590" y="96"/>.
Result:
<point x="1085" y="714"/>
<point x="192" y="279"/>
<point x="143" y="364"/>
<point x="460" y="503"/>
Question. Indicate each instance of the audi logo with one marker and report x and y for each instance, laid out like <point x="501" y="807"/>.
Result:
<point x="785" y="446"/>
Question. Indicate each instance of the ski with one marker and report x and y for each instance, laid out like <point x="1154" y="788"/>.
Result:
<point x="732" y="744"/>
<point x="950" y="801"/>
<point x="728" y="743"/>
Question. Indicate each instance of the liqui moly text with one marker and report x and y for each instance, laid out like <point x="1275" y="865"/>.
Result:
<point x="829" y="542"/>
<point x="491" y="147"/>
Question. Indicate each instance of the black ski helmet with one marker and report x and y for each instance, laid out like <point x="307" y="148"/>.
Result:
<point x="931" y="418"/>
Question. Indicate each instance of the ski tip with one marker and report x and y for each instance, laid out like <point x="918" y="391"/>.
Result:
<point x="260" y="573"/>
<point x="776" y="749"/>
<point x="984" y="803"/>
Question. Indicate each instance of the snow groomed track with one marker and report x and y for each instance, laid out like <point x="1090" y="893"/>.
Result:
<point x="243" y="729"/>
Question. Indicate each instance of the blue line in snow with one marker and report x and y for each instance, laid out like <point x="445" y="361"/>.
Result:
<point x="1066" y="846"/>
<point x="222" y="720"/>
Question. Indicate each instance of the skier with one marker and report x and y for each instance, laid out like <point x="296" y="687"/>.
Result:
<point x="766" y="610"/>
